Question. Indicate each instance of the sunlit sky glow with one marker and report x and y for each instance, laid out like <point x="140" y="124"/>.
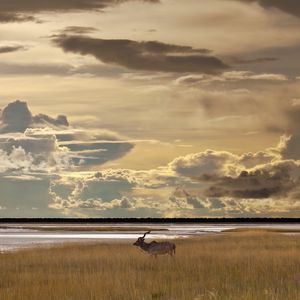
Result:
<point x="149" y="108"/>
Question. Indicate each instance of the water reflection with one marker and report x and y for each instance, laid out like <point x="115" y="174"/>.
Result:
<point x="21" y="237"/>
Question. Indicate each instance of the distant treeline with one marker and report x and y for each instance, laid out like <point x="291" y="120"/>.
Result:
<point x="148" y="220"/>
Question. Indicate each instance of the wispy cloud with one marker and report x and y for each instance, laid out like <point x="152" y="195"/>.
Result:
<point x="148" y="55"/>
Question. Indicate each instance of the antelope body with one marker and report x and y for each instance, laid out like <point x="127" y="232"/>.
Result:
<point x="155" y="248"/>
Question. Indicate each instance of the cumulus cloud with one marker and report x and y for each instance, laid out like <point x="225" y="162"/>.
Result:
<point x="147" y="56"/>
<point x="206" y="164"/>
<point x="16" y="117"/>
<point x="206" y="183"/>
<point x="250" y="160"/>
<point x="22" y="154"/>
<point x="93" y="192"/>
<point x="131" y="191"/>
<point x="45" y="144"/>
<point x="265" y="174"/>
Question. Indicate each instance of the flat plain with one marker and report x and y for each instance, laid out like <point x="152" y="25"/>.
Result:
<point x="235" y="265"/>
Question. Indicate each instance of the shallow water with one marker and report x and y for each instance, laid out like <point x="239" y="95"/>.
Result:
<point x="20" y="237"/>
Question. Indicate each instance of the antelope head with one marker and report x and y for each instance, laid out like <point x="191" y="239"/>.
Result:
<point x="141" y="240"/>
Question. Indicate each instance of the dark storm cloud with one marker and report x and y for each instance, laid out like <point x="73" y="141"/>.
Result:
<point x="271" y="180"/>
<point x="13" y="48"/>
<point x="23" y="11"/>
<point x="289" y="6"/>
<point x="148" y="56"/>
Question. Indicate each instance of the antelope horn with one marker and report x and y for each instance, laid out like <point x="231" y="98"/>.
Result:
<point x="146" y="233"/>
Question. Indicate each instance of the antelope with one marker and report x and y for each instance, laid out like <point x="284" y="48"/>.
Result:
<point x="155" y="248"/>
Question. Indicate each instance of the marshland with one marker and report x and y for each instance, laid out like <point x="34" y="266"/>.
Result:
<point x="242" y="264"/>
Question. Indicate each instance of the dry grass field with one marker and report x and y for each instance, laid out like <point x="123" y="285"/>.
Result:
<point x="242" y="265"/>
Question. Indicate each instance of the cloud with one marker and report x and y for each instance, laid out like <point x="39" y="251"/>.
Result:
<point x="21" y="11"/>
<point x="250" y="160"/>
<point x="271" y="77"/>
<point x="232" y="76"/>
<point x="26" y="197"/>
<point x="19" y="153"/>
<point x="210" y="165"/>
<point x="78" y="30"/>
<point x="16" y="18"/>
<point x="265" y="174"/>
<point x="43" y="119"/>
<point x="59" y="69"/>
<point x="292" y="113"/>
<point x="97" y="152"/>
<point x="211" y="183"/>
<point x="276" y="179"/>
<point x="112" y="189"/>
<point x="289" y="6"/>
<point x="206" y="164"/>
<point x="290" y="147"/>
<point x="46" y="144"/>
<point x="184" y="199"/>
<point x="95" y="192"/>
<point x="11" y="48"/>
<point x="58" y="5"/>
<point x="254" y="60"/>
<point x="147" y="56"/>
<point x="16" y="117"/>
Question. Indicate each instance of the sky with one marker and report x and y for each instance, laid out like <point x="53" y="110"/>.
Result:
<point x="149" y="108"/>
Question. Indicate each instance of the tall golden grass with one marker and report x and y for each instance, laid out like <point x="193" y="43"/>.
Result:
<point x="242" y="266"/>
